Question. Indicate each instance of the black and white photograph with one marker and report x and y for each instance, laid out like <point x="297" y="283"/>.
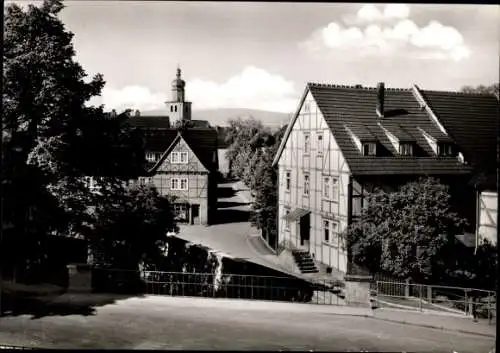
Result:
<point x="272" y="176"/>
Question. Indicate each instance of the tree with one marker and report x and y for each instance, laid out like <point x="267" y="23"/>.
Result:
<point x="264" y="183"/>
<point x="491" y="89"/>
<point x="133" y="229"/>
<point x="239" y="135"/>
<point x="409" y="233"/>
<point x="52" y="139"/>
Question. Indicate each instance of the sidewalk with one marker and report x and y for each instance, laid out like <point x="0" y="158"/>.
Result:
<point x="437" y="321"/>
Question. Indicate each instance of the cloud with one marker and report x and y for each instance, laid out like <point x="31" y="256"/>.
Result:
<point x="372" y="13"/>
<point x="400" y="36"/>
<point x="253" y="88"/>
<point x="131" y="97"/>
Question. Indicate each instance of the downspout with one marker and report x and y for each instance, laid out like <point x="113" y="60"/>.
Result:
<point x="478" y="217"/>
<point x="349" y="268"/>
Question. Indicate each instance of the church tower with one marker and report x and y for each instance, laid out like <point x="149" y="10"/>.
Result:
<point x="178" y="109"/>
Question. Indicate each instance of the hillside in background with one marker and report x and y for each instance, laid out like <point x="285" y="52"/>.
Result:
<point x="221" y="116"/>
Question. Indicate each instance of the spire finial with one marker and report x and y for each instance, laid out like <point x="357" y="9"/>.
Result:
<point x="178" y="71"/>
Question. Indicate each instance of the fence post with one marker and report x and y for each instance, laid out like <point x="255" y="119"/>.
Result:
<point x="489" y="308"/>
<point x="466" y="302"/>
<point x="407" y="288"/>
<point x="429" y="294"/>
<point x="420" y="295"/>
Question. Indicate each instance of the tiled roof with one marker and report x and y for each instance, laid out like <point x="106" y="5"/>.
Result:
<point x="150" y="122"/>
<point x="472" y="122"/>
<point x="355" y="107"/>
<point x="203" y="142"/>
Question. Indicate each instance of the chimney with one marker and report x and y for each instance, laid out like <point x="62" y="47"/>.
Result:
<point x="380" y="99"/>
<point x="137" y="113"/>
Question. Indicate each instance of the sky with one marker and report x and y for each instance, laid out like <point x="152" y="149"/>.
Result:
<point x="261" y="55"/>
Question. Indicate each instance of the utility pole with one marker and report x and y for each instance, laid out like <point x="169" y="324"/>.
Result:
<point x="2" y="2"/>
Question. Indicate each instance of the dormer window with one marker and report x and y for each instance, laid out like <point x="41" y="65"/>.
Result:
<point x="445" y="149"/>
<point x="369" y="149"/>
<point x="406" y="149"/>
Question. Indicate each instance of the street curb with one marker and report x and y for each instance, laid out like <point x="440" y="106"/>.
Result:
<point x="435" y="327"/>
<point x="266" y="244"/>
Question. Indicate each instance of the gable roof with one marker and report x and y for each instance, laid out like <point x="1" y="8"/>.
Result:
<point x="472" y="121"/>
<point x="203" y="143"/>
<point x="150" y="122"/>
<point x="355" y="106"/>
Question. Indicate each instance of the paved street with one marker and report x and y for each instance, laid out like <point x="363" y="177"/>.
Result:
<point x="196" y="323"/>
<point x="233" y="234"/>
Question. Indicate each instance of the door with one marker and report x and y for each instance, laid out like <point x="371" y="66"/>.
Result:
<point x="195" y="211"/>
<point x="304" y="229"/>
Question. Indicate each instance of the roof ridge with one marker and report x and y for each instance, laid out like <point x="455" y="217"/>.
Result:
<point x="356" y="86"/>
<point x="460" y="93"/>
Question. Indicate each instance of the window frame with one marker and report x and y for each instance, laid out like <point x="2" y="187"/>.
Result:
<point x="406" y="147"/>
<point x="326" y="231"/>
<point x="288" y="180"/>
<point x="287" y="222"/>
<point x="176" y="160"/>
<point x="445" y="149"/>
<point x="326" y="187"/>
<point x="320" y="144"/>
<point x="307" y="143"/>
<point x="176" y="180"/>
<point x="186" y="181"/>
<point x="334" y="184"/>
<point x="307" y="182"/>
<point x="369" y="145"/>
<point x="333" y="232"/>
<point x="180" y="158"/>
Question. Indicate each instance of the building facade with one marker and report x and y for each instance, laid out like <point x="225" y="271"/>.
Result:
<point x="487" y="226"/>
<point x="181" y="157"/>
<point x="343" y="142"/>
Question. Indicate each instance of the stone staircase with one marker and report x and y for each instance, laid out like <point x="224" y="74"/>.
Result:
<point x="304" y="261"/>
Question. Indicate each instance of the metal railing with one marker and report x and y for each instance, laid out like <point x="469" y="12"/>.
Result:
<point x="461" y="301"/>
<point x="288" y="289"/>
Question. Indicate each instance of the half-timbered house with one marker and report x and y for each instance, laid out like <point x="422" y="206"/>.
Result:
<point x="183" y="164"/>
<point x="343" y="141"/>
<point x="181" y="157"/>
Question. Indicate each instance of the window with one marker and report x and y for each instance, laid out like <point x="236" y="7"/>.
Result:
<point x="184" y="157"/>
<point x="175" y="109"/>
<point x="152" y="157"/>
<point x="171" y="108"/>
<point x="184" y="184"/>
<point x="287" y="222"/>
<point x="445" y="149"/>
<point x="186" y="109"/>
<point x="306" y="143"/>
<point x="181" y="212"/>
<point x="288" y="180"/>
<point x="320" y="144"/>
<point x="306" y="184"/>
<point x="326" y="230"/>
<point x="174" y="159"/>
<point x="335" y="188"/>
<point x="406" y="149"/>
<point x="326" y="188"/>
<point x="174" y="184"/>
<point x="369" y="149"/>
<point x="330" y="232"/>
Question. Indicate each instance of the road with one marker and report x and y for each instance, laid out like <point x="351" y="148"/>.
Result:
<point x="233" y="234"/>
<point x="197" y="323"/>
